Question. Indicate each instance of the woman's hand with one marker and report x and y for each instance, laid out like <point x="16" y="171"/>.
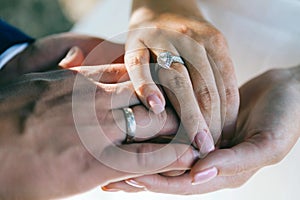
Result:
<point x="204" y="91"/>
<point x="266" y="132"/>
<point x="62" y="133"/>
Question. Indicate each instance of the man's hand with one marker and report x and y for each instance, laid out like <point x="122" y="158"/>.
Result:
<point x="62" y="133"/>
<point x="46" y="54"/>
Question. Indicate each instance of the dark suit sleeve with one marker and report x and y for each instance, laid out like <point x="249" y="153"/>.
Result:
<point x="10" y="36"/>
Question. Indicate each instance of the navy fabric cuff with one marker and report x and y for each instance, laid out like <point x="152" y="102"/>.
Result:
<point x="10" y="36"/>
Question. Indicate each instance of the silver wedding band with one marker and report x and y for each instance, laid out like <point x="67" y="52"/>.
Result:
<point x="130" y="125"/>
<point x="166" y="59"/>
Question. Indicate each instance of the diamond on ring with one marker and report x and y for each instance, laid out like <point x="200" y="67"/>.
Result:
<point x="165" y="60"/>
<point x="130" y="125"/>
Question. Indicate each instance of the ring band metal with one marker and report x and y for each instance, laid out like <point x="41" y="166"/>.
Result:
<point x="130" y="125"/>
<point x="166" y="59"/>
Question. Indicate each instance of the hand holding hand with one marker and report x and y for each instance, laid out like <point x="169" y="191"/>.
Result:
<point x="55" y="142"/>
<point x="266" y="132"/>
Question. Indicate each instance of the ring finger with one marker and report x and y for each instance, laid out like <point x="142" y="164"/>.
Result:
<point x="148" y="124"/>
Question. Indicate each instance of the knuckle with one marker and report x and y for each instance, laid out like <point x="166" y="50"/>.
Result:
<point x="155" y="30"/>
<point x="217" y="39"/>
<point x="184" y="29"/>
<point x="232" y="95"/>
<point x="206" y="97"/>
<point x="135" y="59"/>
<point x="178" y="82"/>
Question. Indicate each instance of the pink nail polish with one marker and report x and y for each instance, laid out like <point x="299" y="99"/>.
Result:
<point x="109" y="189"/>
<point x="205" y="176"/>
<point x="205" y="143"/>
<point x="71" y="52"/>
<point x="155" y="104"/>
<point x="134" y="183"/>
<point x="69" y="55"/>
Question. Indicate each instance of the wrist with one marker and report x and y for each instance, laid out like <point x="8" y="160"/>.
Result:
<point x="144" y="10"/>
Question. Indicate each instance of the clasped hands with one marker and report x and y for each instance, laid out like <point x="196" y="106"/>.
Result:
<point x="40" y="134"/>
<point x="264" y="134"/>
<point x="57" y="139"/>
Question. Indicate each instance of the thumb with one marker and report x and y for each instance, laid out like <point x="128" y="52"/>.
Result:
<point x="74" y="58"/>
<point x="250" y="155"/>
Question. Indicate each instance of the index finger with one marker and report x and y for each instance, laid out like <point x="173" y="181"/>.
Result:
<point x="137" y="58"/>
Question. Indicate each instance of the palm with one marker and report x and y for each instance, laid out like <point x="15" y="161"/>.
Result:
<point x="267" y="104"/>
<point x="265" y="133"/>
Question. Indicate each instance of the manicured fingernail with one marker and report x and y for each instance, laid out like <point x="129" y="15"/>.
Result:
<point x="205" y="176"/>
<point x="173" y="173"/>
<point x="205" y="143"/>
<point x="70" y="53"/>
<point x="196" y="154"/>
<point x="134" y="183"/>
<point x="155" y="104"/>
<point x="109" y="189"/>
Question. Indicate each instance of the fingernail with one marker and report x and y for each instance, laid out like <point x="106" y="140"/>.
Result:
<point x="155" y="104"/>
<point x="196" y="154"/>
<point x="205" y="176"/>
<point x="109" y="189"/>
<point x="134" y="183"/>
<point x="205" y="143"/>
<point x="70" y="53"/>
